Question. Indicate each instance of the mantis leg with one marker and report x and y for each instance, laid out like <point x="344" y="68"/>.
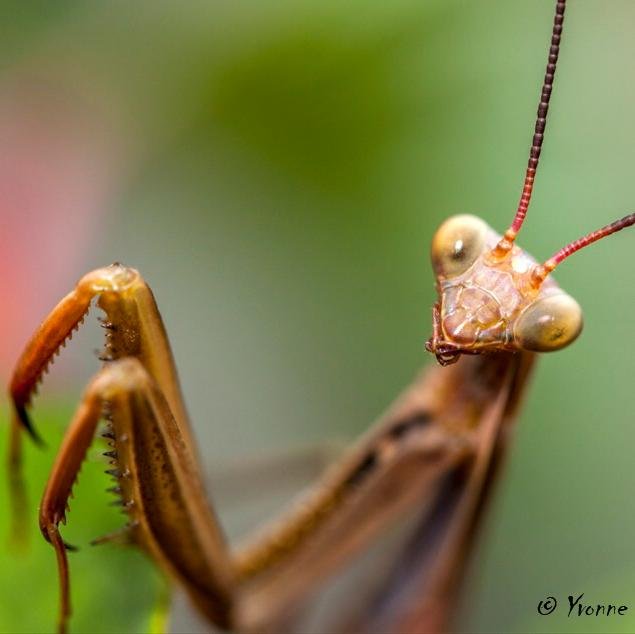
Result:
<point x="428" y="442"/>
<point x="140" y="372"/>
<point x="159" y="487"/>
<point x="420" y="595"/>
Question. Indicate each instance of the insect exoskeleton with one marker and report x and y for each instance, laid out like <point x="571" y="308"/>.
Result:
<point x="491" y="300"/>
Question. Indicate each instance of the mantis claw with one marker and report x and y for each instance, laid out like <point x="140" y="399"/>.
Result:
<point x="26" y="422"/>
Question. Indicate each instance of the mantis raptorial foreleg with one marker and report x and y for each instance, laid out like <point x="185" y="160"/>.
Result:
<point x="157" y="482"/>
<point x="398" y="463"/>
<point x="135" y="335"/>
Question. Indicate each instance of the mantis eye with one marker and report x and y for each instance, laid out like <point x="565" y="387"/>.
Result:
<point x="550" y="323"/>
<point x="456" y="245"/>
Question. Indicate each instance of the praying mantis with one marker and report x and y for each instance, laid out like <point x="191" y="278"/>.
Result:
<point x="496" y="308"/>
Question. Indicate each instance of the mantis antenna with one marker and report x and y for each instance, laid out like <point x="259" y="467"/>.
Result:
<point x="507" y="241"/>
<point x="541" y="271"/>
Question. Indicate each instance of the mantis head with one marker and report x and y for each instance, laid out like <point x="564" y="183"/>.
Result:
<point x="492" y="295"/>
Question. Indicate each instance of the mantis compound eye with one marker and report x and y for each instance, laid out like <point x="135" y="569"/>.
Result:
<point x="458" y="242"/>
<point x="549" y="323"/>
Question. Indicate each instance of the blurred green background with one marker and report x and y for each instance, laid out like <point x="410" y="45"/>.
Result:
<point x="276" y="171"/>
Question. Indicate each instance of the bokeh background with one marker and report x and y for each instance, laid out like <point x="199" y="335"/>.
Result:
<point x="276" y="169"/>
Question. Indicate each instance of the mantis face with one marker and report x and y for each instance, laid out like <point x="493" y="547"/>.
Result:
<point x="489" y="302"/>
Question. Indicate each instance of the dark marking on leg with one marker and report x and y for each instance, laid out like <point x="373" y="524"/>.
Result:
<point x="366" y="467"/>
<point x="403" y="427"/>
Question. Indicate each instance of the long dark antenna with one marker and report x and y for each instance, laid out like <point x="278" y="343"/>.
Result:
<point x="539" y="132"/>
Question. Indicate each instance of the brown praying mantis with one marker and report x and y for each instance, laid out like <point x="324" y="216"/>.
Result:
<point x="437" y="449"/>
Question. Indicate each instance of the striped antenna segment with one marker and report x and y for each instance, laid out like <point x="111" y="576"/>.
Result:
<point x="541" y="271"/>
<point x="539" y="132"/>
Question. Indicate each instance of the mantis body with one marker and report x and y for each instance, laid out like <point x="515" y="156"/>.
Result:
<point x="497" y="308"/>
